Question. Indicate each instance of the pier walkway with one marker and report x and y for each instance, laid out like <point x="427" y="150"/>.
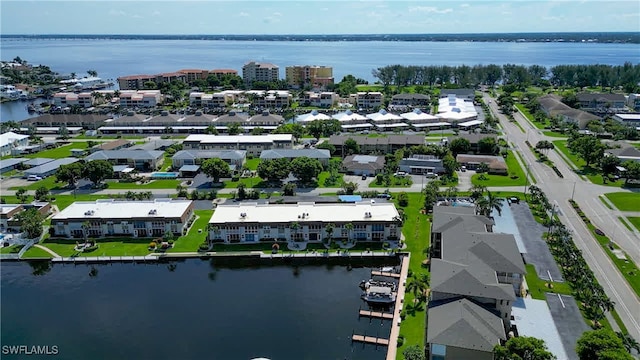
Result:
<point x="370" y="339"/>
<point x="395" y="325"/>
<point x="375" y="314"/>
<point x="387" y="274"/>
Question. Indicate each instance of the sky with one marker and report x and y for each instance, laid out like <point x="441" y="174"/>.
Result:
<point x="315" y="17"/>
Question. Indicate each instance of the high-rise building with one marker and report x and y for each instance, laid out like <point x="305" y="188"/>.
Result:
<point x="254" y="71"/>
<point x="314" y="75"/>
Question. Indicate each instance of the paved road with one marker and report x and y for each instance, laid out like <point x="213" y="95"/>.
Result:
<point x="559" y="191"/>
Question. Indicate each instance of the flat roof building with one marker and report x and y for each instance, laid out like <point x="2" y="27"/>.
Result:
<point x="252" y="222"/>
<point x="10" y="140"/>
<point x="49" y="168"/>
<point x="253" y="144"/>
<point x="256" y="71"/>
<point x="116" y="218"/>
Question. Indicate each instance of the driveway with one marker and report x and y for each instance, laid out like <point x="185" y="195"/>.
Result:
<point x="464" y="180"/>
<point x="568" y="320"/>
<point x="538" y="252"/>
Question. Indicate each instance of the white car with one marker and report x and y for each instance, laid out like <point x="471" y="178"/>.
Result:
<point x="34" y="178"/>
<point x="400" y="173"/>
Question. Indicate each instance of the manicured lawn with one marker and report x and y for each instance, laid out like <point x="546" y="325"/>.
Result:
<point x="551" y="133"/>
<point x="635" y="221"/>
<point x="529" y="117"/>
<point x="106" y="247"/>
<point x="590" y="172"/>
<point x="416" y="230"/>
<point x="13" y="249"/>
<point x="625" y="201"/>
<point x="193" y="239"/>
<point x="36" y="253"/>
<point x="153" y="184"/>
<point x="48" y="182"/>
<point x="538" y="287"/>
<point x="514" y="169"/>
<point x="59" y="152"/>
<point x="252" y="164"/>
<point x="324" y="175"/>
<point x="250" y="183"/>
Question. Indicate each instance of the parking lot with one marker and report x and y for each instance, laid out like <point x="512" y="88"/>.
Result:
<point x="569" y="322"/>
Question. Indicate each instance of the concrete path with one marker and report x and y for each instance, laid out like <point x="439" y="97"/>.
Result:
<point x="53" y="253"/>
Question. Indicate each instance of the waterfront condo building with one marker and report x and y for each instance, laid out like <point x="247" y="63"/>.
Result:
<point x="253" y="144"/>
<point x="10" y="141"/>
<point x="108" y="217"/>
<point x="305" y="222"/>
<point x="368" y="100"/>
<point x="311" y="75"/>
<point x="65" y="99"/>
<point x="255" y="71"/>
<point x="140" y="98"/>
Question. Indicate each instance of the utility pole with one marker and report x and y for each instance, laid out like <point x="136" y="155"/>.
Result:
<point x="574" y="190"/>
<point x="526" y="184"/>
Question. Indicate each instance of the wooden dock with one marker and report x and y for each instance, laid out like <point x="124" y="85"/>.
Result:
<point x="387" y="274"/>
<point x="376" y="314"/>
<point x="370" y="339"/>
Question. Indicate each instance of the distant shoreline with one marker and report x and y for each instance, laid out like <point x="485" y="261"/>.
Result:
<point x="568" y="37"/>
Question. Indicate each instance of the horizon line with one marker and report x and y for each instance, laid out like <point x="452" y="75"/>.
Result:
<point x="334" y="34"/>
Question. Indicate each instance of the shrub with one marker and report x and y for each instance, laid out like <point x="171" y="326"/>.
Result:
<point x="203" y="247"/>
<point x="152" y="245"/>
<point x="400" y="339"/>
<point x="170" y="242"/>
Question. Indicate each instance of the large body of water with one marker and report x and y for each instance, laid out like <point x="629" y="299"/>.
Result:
<point x="195" y="311"/>
<point x="114" y="58"/>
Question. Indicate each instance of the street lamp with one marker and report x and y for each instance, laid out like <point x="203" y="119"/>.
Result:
<point x="574" y="190"/>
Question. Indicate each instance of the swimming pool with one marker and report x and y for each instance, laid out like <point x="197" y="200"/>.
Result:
<point x="164" y="175"/>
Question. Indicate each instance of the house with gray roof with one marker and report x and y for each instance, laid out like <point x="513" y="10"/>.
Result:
<point x="321" y="155"/>
<point x="601" y="102"/>
<point x="552" y="105"/>
<point x="476" y="276"/>
<point x="421" y="164"/>
<point x="624" y="153"/>
<point x="363" y="164"/>
<point x="465" y="94"/>
<point x="138" y="159"/>
<point x="37" y="161"/>
<point x="10" y="164"/>
<point x="49" y="168"/>
<point x="463" y="329"/>
<point x="156" y="144"/>
<point x="235" y="158"/>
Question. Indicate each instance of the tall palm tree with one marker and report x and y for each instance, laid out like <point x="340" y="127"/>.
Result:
<point x="629" y="342"/>
<point x="85" y="230"/>
<point x="116" y="93"/>
<point x="329" y="231"/>
<point x="477" y="191"/>
<point x="294" y="226"/>
<point x="484" y="205"/>
<point x="349" y="228"/>
<point x="417" y="287"/>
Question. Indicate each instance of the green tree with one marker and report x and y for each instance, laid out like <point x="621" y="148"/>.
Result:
<point x="403" y="199"/>
<point x="588" y="147"/>
<point x="215" y="169"/>
<point x="150" y="85"/>
<point x="211" y="130"/>
<point x="98" y="170"/>
<point x="22" y="196"/>
<point x="257" y="131"/>
<point x="234" y="128"/>
<point x="484" y="205"/>
<point x="523" y="347"/>
<point x="450" y="164"/>
<point x="349" y="187"/>
<point x="351" y="147"/>
<point x="413" y="352"/>
<point x="289" y="189"/>
<point x="629" y="342"/>
<point x="274" y="170"/>
<point x="459" y="146"/>
<point x="608" y="164"/>
<point x="325" y="145"/>
<point x="92" y="73"/>
<point x="294" y="129"/>
<point x="430" y="194"/>
<point x="70" y="173"/>
<point x="63" y="132"/>
<point x="600" y="344"/>
<point x="42" y="194"/>
<point x="305" y="169"/>
<point x="30" y="222"/>
<point x="488" y="145"/>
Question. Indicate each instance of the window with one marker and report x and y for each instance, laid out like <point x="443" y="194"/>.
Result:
<point x="377" y="227"/>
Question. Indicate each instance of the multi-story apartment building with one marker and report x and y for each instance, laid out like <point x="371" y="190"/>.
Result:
<point x="379" y="145"/>
<point x="140" y="98"/>
<point x="313" y="75"/>
<point x="305" y="222"/>
<point x="107" y="217"/>
<point x="255" y="71"/>
<point x="216" y="100"/>
<point x="476" y="276"/>
<point x="601" y="103"/>
<point x="134" y="82"/>
<point x="324" y="99"/>
<point x="272" y="99"/>
<point x="632" y="120"/>
<point x="9" y="212"/>
<point x="235" y="158"/>
<point x="368" y="100"/>
<point x="253" y="144"/>
<point x="11" y="140"/>
<point x="64" y="99"/>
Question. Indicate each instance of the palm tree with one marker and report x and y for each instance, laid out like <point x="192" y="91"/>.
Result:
<point x="629" y="342"/>
<point x="294" y="226"/>
<point x="349" y="228"/>
<point x="329" y="230"/>
<point x="417" y="287"/>
<point x="484" y="205"/>
<point x="85" y="231"/>
<point x="116" y="93"/>
<point x="477" y="191"/>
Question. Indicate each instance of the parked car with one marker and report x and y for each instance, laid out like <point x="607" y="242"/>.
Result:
<point x="463" y="168"/>
<point x="364" y="177"/>
<point x="384" y="196"/>
<point x="599" y="232"/>
<point x="34" y="178"/>
<point x="400" y="173"/>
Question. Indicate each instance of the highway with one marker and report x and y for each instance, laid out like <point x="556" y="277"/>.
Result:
<point x="559" y="191"/>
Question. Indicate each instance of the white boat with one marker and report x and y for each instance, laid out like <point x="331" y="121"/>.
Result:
<point x="366" y="284"/>
<point x="379" y="295"/>
<point x="389" y="269"/>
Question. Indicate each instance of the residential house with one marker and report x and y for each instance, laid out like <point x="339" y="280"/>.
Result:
<point x="9" y="164"/>
<point x="421" y="120"/>
<point x="473" y="139"/>
<point x="138" y="159"/>
<point x="272" y="99"/>
<point x="140" y="98"/>
<point x="350" y="121"/>
<point x="69" y="99"/>
<point x="496" y="164"/>
<point x="112" y="145"/>
<point x="123" y="218"/>
<point x="405" y="100"/>
<point x="324" y="99"/>
<point x="87" y="121"/>
<point x="633" y="102"/>
<point x="553" y="106"/>
<point x="363" y="164"/>
<point x="304" y="222"/>
<point x="383" y="120"/>
<point x="421" y="164"/>
<point x="8" y="213"/>
<point x="319" y="154"/>
<point x="625" y="153"/>
<point x="11" y="140"/>
<point x="49" y="168"/>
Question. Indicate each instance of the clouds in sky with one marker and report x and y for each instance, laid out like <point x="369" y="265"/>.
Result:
<point x="315" y="17"/>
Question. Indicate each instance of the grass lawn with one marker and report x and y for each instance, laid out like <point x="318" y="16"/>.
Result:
<point x="514" y="170"/>
<point x="250" y="183"/>
<point x="590" y="172"/>
<point x="324" y="175"/>
<point x="556" y="134"/>
<point x="59" y="152"/>
<point x="523" y="109"/>
<point x="62" y="201"/>
<point x="416" y="230"/>
<point x="625" y="201"/>
<point x="538" y="287"/>
<point x="635" y="221"/>
<point x="252" y="164"/>
<point x="193" y="239"/>
<point x="395" y="181"/>
<point x="106" y="247"/>
<point x="153" y="184"/>
<point x="13" y="249"/>
<point x="36" y="253"/>
<point x="48" y="182"/>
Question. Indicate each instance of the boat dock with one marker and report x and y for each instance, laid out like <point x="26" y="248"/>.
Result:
<point x="387" y="274"/>
<point x="375" y="314"/>
<point x="370" y="339"/>
<point x="392" y="350"/>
